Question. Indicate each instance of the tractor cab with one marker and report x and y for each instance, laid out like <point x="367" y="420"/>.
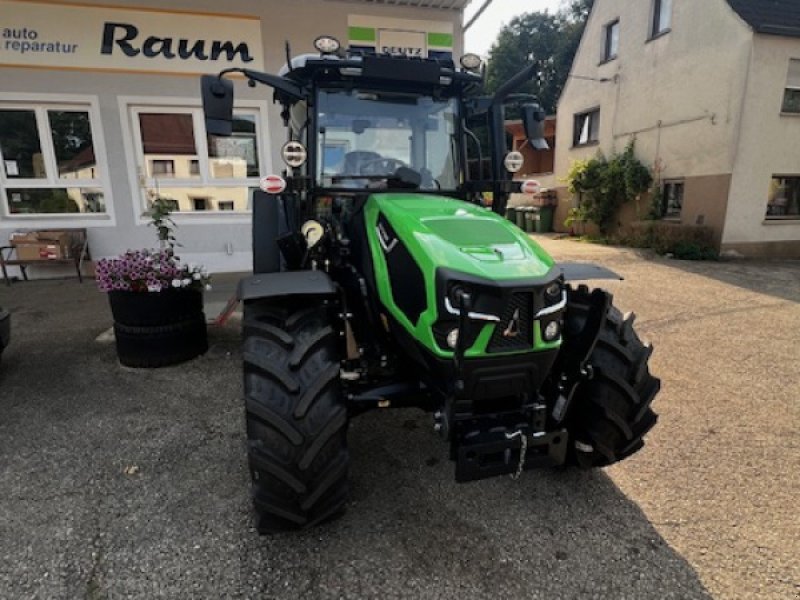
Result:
<point x="359" y="122"/>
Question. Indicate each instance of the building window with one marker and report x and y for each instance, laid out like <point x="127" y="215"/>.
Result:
<point x="179" y="163"/>
<point x="791" y="97"/>
<point x="587" y="128"/>
<point x="611" y="41"/>
<point x="47" y="160"/>
<point x="662" y="17"/>
<point x="162" y="167"/>
<point x="225" y="205"/>
<point x="672" y="199"/>
<point x="784" y="197"/>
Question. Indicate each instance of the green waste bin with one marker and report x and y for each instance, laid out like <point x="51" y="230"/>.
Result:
<point x="520" y="217"/>
<point x="530" y="220"/>
<point x="511" y="214"/>
<point x="544" y="219"/>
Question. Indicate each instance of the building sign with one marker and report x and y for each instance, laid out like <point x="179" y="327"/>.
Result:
<point x="64" y="36"/>
<point x="426" y="39"/>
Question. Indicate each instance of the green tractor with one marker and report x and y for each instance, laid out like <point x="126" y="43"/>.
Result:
<point x="381" y="280"/>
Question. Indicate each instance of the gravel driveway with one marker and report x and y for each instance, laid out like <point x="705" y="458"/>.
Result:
<point x="118" y="483"/>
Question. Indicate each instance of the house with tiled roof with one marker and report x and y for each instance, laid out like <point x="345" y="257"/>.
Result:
<point x="710" y="91"/>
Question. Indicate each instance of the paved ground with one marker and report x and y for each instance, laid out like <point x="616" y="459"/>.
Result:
<point x="120" y="483"/>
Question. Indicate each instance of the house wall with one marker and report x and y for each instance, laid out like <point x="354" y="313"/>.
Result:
<point x="769" y="145"/>
<point x="679" y="95"/>
<point x="221" y="241"/>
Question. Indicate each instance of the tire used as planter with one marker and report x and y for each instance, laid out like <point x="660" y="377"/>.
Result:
<point x="296" y="417"/>
<point x="160" y="345"/>
<point x="158" y="329"/>
<point x="145" y="309"/>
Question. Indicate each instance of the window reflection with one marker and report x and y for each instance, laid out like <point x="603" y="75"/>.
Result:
<point x="169" y="145"/>
<point x="72" y="143"/>
<point x="204" y="198"/>
<point x="19" y="145"/>
<point x="236" y="156"/>
<point x="22" y="201"/>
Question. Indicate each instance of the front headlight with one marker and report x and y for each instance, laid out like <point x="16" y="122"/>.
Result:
<point x="452" y="338"/>
<point x="551" y="331"/>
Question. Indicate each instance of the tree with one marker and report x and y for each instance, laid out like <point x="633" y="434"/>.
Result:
<point x="548" y="40"/>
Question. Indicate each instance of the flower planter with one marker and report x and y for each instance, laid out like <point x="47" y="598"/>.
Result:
<point x="157" y="329"/>
<point x="155" y="308"/>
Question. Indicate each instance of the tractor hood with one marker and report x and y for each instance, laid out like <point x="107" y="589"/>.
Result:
<point x="418" y="242"/>
<point x="443" y="232"/>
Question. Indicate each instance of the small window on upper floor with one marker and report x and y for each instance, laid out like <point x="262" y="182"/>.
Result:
<point x="791" y="97"/>
<point x="611" y="41"/>
<point x="662" y="17"/>
<point x="587" y="128"/>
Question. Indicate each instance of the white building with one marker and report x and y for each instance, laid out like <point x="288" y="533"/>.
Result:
<point x="100" y="109"/>
<point x="711" y="92"/>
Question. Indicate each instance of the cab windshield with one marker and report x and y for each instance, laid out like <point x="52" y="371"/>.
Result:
<point x="372" y="139"/>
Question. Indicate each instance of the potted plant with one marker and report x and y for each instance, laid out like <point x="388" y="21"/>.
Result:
<point x="156" y="301"/>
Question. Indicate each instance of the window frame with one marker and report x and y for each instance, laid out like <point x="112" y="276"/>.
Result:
<point x="788" y="86"/>
<point x="40" y="104"/>
<point x="575" y="130"/>
<point x="139" y="183"/>
<point x="656" y="28"/>
<point x="781" y="218"/>
<point x="665" y="202"/>
<point x="606" y="55"/>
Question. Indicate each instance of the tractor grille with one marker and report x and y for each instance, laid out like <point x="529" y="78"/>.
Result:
<point x="520" y="304"/>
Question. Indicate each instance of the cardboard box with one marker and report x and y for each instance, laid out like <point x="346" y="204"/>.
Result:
<point x="40" y="251"/>
<point x="42" y="245"/>
<point x="23" y="237"/>
<point x="61" y="238"/>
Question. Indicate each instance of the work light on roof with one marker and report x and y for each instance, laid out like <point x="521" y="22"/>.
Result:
<point x="327" y="44"/>
<point x="471" y="62"/>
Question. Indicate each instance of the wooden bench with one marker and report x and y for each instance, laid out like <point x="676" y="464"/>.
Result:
<point x="78" y="253"/>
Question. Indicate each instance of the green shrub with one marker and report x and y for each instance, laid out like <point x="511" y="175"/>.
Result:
<point x="686" y="242"/>
<point x="605" y="184"/>
<point x="693" y="251"/>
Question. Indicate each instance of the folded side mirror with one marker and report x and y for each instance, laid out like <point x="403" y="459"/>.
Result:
<point x="533" y="118"/>
<point x="217" y="95"/>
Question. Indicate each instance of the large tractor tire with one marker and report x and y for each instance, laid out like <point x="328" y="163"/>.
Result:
<point x="296" y="417"/>
<point x="610" y="412"/>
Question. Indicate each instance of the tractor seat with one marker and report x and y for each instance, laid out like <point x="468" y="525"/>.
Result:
<point x="354" y="161"/>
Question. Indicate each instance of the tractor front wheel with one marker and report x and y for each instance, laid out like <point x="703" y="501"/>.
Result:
<point x="610" y="412"/>
<point x="296" y="417"/>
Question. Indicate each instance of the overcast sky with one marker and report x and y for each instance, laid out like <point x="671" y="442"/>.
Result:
<point x="482" y="34"/>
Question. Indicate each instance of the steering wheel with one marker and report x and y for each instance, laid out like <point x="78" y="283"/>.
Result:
<point x="381" y="166"/>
